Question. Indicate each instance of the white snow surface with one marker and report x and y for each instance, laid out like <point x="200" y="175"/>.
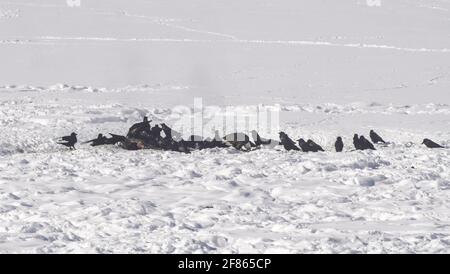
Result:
<point x="333" y="67"/>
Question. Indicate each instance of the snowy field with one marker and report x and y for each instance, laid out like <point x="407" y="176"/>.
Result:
<point x="334" y="68"/>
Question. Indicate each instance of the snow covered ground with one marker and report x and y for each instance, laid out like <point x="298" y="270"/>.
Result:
<point x="333" y="67"/>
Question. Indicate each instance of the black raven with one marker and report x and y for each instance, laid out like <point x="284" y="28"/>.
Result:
<point x="339" y="145"/>
<point x="431" y="144"/>
<point x="313" y="146"/>
<point x="287" y="142"/>
<point x="357" y="143"/>
<point x="366" y="144"/>
<point x="376" y="138"/>
<point x="69" y="141"/>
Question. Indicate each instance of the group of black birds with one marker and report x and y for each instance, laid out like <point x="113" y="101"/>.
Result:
<point x="143" y="136"/>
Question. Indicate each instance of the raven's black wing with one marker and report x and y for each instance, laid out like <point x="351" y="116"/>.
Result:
<point x="117" y="138"/>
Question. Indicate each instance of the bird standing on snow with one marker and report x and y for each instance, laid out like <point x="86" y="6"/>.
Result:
<point x="339" y="145"/>
<point x="313" y="146"/>
<point x="287" y="142"/>
<point x="366" y="144"/>
<point x="69" y="141"/>
<point x="430" y="144"/>
<point x="357" y="143"/>
<point x="376" y="138"/>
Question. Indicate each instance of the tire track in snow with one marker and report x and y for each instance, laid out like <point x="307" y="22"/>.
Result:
<point x="200" y="31"/>
<point x="25" y="42"/>
<point x="350" y="45"/>
<point x="164" y="22"/>
<point x="238" y="41"/>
